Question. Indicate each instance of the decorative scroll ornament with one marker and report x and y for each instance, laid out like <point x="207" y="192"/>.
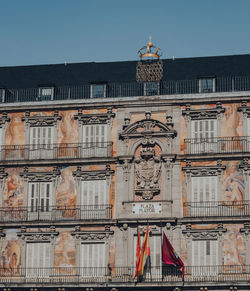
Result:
<point x="147" y="172"/>
<point x="151" y="69"/>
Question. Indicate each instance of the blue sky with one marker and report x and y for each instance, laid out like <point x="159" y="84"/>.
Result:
<point x="55" y="31"/>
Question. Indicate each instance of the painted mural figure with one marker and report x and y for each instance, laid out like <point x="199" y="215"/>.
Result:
<point x="10" y="257"/>
<point x="233" y="186"/>
<point x="66" y="194"/>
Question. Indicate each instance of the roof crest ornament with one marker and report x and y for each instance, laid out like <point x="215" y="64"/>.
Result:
<point x="149" y="51"/>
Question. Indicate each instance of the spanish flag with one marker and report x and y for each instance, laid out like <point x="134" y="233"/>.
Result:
<point x="144" y="261"/>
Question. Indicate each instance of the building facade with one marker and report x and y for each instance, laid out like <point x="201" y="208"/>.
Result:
<point x="91" y="155"/>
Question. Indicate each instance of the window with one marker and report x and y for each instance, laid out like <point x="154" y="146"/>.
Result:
<point x="207" y="85"/>
<point x="41" y="142"/>
<point x="98" y="90"/>
<point x="2" y="91"/>
<point x="95" y="140"/>
<point x="204" y="132"/>
<point x="94" y="197"/>
<point x="92" y="260"/>
<point x="39" y="200"/>
<point x="46" y="93"/>
<point x="205" y="257"/>
<point x="203" y="194"/>
<point x="37" y="259"/>
<point x="155" y="254"/>
<point x="151" y="88"/>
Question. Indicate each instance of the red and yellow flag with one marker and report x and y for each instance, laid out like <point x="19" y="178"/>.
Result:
<point x="143" y="263"/>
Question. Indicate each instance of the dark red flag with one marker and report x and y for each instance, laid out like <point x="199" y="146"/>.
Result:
<point x="169" y="256"/>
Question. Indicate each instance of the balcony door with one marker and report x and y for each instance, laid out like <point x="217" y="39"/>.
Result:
<point x="205" y="257"/>
<point x="94" y="199"/>
<point x="204" y="132"/>
<point x="95" y="140"/>
<point x="37" y="260"/>
<point x="204" y="196"/>
<point x="39" y="200"/>
<point x="41" y="142"/>
<point x="155" y="257"/>
<point x="92" y="260"/>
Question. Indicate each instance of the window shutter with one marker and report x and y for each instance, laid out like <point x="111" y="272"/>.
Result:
<point x="206" y="128"/>
<point x="37" y="259"/>
<point x="94" y="139"/>
<point x="204" y="253"/>
<point x="92" y="259"/>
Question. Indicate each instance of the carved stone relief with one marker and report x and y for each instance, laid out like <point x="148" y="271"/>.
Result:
<point x="147" y="172"/>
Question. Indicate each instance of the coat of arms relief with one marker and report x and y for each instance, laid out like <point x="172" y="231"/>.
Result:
<point x="153" y="143"/>
<point x="147" y="173"/>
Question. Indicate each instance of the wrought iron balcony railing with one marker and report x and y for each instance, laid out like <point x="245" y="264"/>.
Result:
<point x="165" y="275"/>
<point x="56" y="213"/>
<point x="217" y="208"/>
<point x="233" y="144"/>
<point x="56" y="151"/>
<point x="112" y="90"/>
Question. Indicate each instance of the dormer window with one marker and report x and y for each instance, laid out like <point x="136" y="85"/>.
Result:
<point x="98" y="90"/>
<point x="207" y="85"/>
<point x="46" y="93"/>
<point x="151" y="88"/>
<point x="2" y="91"/>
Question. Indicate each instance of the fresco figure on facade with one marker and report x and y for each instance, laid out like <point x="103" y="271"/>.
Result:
<point x="13" y="193"/>
<point x="68" y="134"/>
<point x="10" y="257"/>
<point x="231" y="127"/>
<point x="66" y="193"/>
<point x="233" y="186"/>
<point x="65" y="251"/>
<point x="234" y="247"/>
<point x="15" y="135"/>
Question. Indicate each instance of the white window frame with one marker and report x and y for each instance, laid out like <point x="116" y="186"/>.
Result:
<point x="205" y="253"/>
<point x="38" y="259"/>
<point x="94" y="195"/>
<point x="92" y="86"/>
<point x="204" y="189"/>
<point x="204" y="132"/>
<point x="145" y="89"/>
<point x="93" y="259"/>
<point x="3" y="95"/>
<point x="201" y="87"/>
<point x="41" y="95"/>
<point x="38" y="192"/>
<point x="41" y="140"/>
<point x="155" y="243"/>
<point x="95" y="139"/>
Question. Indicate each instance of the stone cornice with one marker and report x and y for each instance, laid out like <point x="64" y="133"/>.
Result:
<point x="95" y="118"/>
<point x="204" y="234"/>
<point x="92" y="234"/>
<point x="40" y="176"/>
<point x="40" y="120"/>
<point x="93" y="175"/>
<point x="204" y="113"/>
<point x="37" y="236"/>
<point x="204" y="170"/>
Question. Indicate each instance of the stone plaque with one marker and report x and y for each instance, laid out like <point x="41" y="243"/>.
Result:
<point x="146" y="208"/>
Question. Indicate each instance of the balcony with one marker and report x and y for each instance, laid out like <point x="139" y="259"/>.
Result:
<point x="166" y="276"/>
<point x="55" y="213"/>
<point x="113" y="90"/>
<point x="56" y="151"/>
<point x="217" y="208"/>
<point x="225" y="145"/>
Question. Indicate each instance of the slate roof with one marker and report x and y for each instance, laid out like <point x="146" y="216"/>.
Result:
<point x="85" y="73"/>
